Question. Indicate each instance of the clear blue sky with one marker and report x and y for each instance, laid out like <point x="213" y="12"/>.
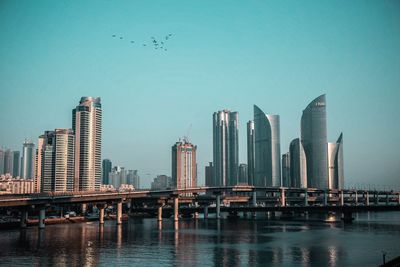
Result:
<point x="223" y="54"/>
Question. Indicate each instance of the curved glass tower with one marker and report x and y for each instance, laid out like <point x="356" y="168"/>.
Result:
<point x="267" y="149"/>
<point x="250" y="152"/>
<point x="335" y="164"/>
<point x="298" y="165"/>
<point x="314" y="141"/>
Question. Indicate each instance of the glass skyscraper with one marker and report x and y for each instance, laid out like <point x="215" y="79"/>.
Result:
<point x="335" y="164"/>
<point x="28" y="160"/>
<point x="225" y="148"/>
<point x="87" y="126"/>
<point x="267" y="167"/>
<point x="314" y="141"/>
<point x="106" y="169"/>
<point x="298" y="165"/>
<point x="250" y="152"/>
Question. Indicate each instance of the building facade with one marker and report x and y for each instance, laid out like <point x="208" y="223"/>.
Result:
<point x="243" y="174"/>
<point x="87" y="126"/>
<point x="335" y="164"/>
<point x="298" y="165"/>
<point x="314" y="141"/>
<point x="225" y="148"/>
<point x="250" y="152"/>
<point x="105" y="172"/>
<point x="28" y="160"/>
<point x="209" y="173"/>
<point x="16" y="163"/>
<point x="161" y="182"/>
<point x="267" y="165"/>
<point x="286" y="170"/>
<point x="184" y="172"/>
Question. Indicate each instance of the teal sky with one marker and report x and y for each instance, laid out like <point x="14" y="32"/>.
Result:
<point x="279" y="55"/>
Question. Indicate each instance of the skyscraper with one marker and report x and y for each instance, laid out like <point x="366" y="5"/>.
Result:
<point x="133" y="178"/>
<point x="56" y="156"/>
<point x="1" y="161"/>
<point x="286" y="170"/>
<point x="314" y="141"/>
<point x="16" y="163"/>
<point x="184" y="173"/>
<point x="298" y="165"/>
<point x="106" y="169"/>
<point x="28" y="160"/>
<point x="225" y="148"/>
<point x="267" y="149"/>
<point x="86" y="124"/>
<point x="8" y="161"/>
<point x="250" y="152"/>
<point x="209" y="174"/>
<point x="243" y="174"/>
<point x="335" y="164"/>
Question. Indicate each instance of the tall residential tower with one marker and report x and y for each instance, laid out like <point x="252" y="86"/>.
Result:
<point x="184" y="172"/>
<point x="86" y="124"/>
<point x="335" y="164"/>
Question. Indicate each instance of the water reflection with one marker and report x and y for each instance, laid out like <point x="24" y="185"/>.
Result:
<point x="204" y="242"/>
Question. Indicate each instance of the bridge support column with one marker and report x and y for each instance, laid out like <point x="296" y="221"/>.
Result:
<point x="254" y="203"/>
<point x="42" y="216"/>
<point x="367" y="199"/>
<point x="176" y="208"/>
<point x="356" y="198"/>
<point x="325" y="198"/>
<point x="205" y="212"/>
<point x="341" y="198"/>
<point x="218" y="207"/>
<point x="305" y="197"/>
<point x="24" y="218"/>
<point x="398" y="199"/>
<point x="376" y="198"/>
<point x="283" y="198"/>
<point x="347" y="216"/>
<point x="119" y="212"/>
<point x="159" y="213"/>
<point x="387" y="198"/>
<point x="101" y="208"/>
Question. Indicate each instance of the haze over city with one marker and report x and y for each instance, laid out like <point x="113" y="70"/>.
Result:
<point x="220" y="56"/>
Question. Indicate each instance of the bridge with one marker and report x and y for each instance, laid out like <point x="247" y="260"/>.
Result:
<point x="231" y="199"/>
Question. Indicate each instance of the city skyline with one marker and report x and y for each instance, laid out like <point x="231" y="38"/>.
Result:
<point x="280" y="63"/>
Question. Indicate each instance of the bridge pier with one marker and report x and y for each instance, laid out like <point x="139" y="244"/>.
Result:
<point x="398" y="199"/>
<point x="206" y="212"/>
<point x="101" y="208"/>
<point x="283" y="198"/>
<point x="42" y="217"/>
<point x="347" y="216"/>
<point x="119" y="212"/>
<point x="341" y="198"/>
<point x="24" y="218"/>
<point x="176" y="208"/>
<point x="305" y="197"/>
<point x="367" y="199"/>
<point x="387" y="198"/>
<point x="159" y="213"/>
<point x="325" y="198"/>
<point x="356" y="198"/>
<point x="254" y="203"/>
<point x="218" y="206"/>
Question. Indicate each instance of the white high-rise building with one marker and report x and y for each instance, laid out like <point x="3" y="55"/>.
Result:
<point x="28" y="160"/>
<point x="86" y="123"/>
<point x="335" y="164"/>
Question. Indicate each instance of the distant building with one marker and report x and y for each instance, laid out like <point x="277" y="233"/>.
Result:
<point x="243" y="174"/>
<point x="8" y="162"/>
<point x="10" y="185"/>
<point x="314" y="141"/>
<point x="225" y="148"/>
<point x="267" y="149"/>
<point x="133" y="178"/>
<point x="16" y="163"/>
<point x="56" y="156"/>
<point x="1" y="161"/>
<point x="87" y="126"/>
<point x="250" y="152"/>
<point x="286" y="170"/>
<point x="117" y="176"/>
<point x="106" y="169"/>
<point x="298" y="165"/>
<point x="209" y="171"/>
<point x="335" y="164"/>
<point x="184" y="173"/>
<point x="28" y="160"/>
<point x="161" y="182"/>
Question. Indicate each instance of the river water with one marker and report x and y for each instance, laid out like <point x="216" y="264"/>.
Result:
<point x="241" y="242"/>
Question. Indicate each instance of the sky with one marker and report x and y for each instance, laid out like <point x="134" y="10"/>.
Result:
<point x="279" y="55"/>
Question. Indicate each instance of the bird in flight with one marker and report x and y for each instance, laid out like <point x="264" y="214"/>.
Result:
<point x="156" y="43"/>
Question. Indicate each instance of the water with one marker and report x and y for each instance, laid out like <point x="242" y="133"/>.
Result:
<point x="144" y="242"/>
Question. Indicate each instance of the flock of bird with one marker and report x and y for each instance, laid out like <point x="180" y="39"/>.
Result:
<point x="155" y="43"/>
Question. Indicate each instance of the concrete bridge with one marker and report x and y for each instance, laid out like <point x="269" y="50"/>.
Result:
<point x="232" y="199"/>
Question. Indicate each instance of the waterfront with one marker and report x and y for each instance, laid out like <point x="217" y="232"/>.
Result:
<point x="210" y="242"/>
